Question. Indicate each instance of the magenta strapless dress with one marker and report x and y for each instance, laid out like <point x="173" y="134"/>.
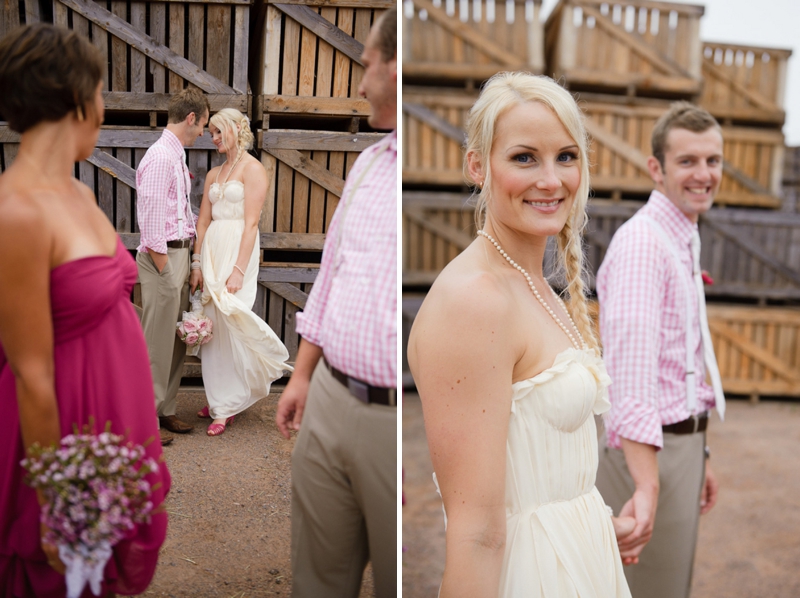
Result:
<point x="102" y="372"/>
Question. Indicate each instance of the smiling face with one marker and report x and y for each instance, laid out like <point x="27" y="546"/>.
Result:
<point x="220" y="139"/>
<point x="692" y="170"/>
<point x="535" y="171"/>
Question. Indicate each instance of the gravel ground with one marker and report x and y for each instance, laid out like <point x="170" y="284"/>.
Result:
<point x="749" y="545"/>
<point x="229" y="508"/>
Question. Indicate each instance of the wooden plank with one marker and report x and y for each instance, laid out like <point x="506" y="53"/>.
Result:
<point x="197" y="16"/>
<point x="291" y="63"/>
<point x="119" y="52"/>
<point x="308" y="63"/>
<point x="382" y="4"/>
<point x="269" y="274"/>
<point x="296" y="241"/>
<point x="138" y="60"/>
<point x="32" y="12"/>
<point x="754" y="98"/>
<point x="267" y="219"/>
<point x="360" y="33"/>
<point x="158" y="19"/>
<point x="289" y="292"/>
<point x="176" y="43"/>
<point x="284" y="139"/>
<point x="218" y="21"/>
<point x="469" y="35"/>
<point x="113" y="167"/>
<point x="272" y="51"/>
<point x="285" y="197"/>
<point x="284" y="104"/>
<point x="105" y="194"/>
<point x="743" y="343"/>
<point x="434" y="121"/>
<point x="309" y="19"/>
<point x="437" y="225"/>
<point x="309" y="169"/>
<point x="342" y="65"/>
<point x="300" y="196"/>
<point x="317" y="195"/>
<point x="146" y="102"/>
<point x="240" y="47"/>
<point x="145" y="44"/>
<point x="325" y="53"/>
<point x="754" y="250"/>
<point x="124" y="219"/>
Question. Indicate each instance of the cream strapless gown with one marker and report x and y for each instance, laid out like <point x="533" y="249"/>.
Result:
<point x="245" y="355"/>
<point x="560" y="541"/>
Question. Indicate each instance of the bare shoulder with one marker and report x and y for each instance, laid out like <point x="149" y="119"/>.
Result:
<point x="253" y="169"/>
<point x="23" y="221"/>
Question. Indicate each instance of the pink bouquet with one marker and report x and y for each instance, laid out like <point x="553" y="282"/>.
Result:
<point x="195" y="328"/>
<point x="96" y="494"/>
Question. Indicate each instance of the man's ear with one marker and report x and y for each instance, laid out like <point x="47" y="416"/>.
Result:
<point x="191" y="118"/>
<point x="655" y="170"/>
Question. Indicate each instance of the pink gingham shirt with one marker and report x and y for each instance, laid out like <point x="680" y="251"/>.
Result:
<point x="160" y="195"/>
<point x="643" y="326"/>
<point x="352" y="309"/>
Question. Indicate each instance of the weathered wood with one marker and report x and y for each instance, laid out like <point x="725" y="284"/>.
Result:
<point x="240" y="47"/>
<point x="287" y="274"/>
<point x="146" y="102"/>
<point x="110" y="165"/>
<point x="318" y="140"/>
<point x="298" y="241"/>
<point x="347" y="45"/>
<point x="281" y="104"/>
<point x="438" y="226"/>
<point x="434" y="121"/>
<point x="288" y="292"/>
<point x="145" y="44"/>
<point x="309" y="169"/>
<point x="381" y="4"/>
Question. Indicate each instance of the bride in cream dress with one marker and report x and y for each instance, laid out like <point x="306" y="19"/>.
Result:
<point x="245" y="355"/>
<point x="510" y="377"/>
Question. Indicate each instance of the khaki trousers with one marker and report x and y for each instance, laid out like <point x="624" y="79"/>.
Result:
<point x="344" y="494"/>
<point x="165" y="295"/>
<point x="665" y="565"/>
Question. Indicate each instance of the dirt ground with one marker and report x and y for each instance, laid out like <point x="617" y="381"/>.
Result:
<point x="229" y="508"/>
<point x="749" y="545"/>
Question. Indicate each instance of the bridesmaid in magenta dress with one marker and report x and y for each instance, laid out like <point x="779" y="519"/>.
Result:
<point x="71" y="347"/>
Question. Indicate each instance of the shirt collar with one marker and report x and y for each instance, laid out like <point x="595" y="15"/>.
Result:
<point x="171" y="141"/>
<point x="668" y="214"/>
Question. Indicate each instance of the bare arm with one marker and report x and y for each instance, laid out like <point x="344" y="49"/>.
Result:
<point x="462" y="358"/>
<point x="293" y="399"/>
<point x="643" y="464"/>
<point x="26" y="326"/>
<point x="255" y="193"/>
<point x="203" y="221"/>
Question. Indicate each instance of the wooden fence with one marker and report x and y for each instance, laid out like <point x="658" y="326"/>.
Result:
<point x="750" y="254"/>
<point x="744" y="83"/>
<point x="638" y="47"/>
<point x="470" y="41"/>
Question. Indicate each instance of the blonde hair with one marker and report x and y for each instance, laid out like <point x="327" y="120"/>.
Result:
<point x="501" y="93"/>
<point x="226" y="120"/>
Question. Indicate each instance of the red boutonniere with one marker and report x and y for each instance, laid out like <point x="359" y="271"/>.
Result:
<point x="707" y="278"/>
<point x="191" y="176"/>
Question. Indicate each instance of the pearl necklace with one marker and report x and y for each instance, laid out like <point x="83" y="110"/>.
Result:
<point x="539" y="298"/>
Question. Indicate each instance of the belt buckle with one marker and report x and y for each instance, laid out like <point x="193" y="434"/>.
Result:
<point x="358" y="389"/>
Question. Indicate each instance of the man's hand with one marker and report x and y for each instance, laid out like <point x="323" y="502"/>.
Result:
<point x="708" y="497"/>
<point x="623" y="526"/>
<point x="642" y="507"/>
<point x="195" y="280"/>
<point x="159" y="259"/>
<point x="291" y="406"/>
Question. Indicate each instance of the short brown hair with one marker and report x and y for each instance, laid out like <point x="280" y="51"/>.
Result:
<point x="387" y="34"/>
<point x="681" y="115"/>
<point x="183" y="103"/>
<point x="46" y="72"/>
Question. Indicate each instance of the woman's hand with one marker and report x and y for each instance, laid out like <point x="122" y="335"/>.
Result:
<point x="235" y="281"/>
<point x="623" y="526"/>
<point x="195" y="280"/>
<point x="51" y="551"/>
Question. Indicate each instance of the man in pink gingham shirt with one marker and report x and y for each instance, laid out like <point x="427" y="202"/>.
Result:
<point x="166" y="225"/>
<point x="653" y="467"/>
<point x="342" y="396"/>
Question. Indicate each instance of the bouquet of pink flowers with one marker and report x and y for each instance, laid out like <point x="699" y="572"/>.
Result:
<point x="195" y="328"/>
<point x="96" y="494"/>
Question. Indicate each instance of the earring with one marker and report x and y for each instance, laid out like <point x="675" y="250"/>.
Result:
<point x="79" y="112"/>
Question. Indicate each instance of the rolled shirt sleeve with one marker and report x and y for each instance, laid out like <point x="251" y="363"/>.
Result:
<point x="631" y="286"/>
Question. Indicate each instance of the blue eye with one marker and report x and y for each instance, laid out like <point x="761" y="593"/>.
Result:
<point x="567" y="157"/>
<point x="523" y="158"/>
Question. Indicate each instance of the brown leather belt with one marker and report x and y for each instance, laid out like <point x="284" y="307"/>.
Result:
<point x="179" y="244"/>
<point x="363" y="391"/>
<point x="696" y="423"/>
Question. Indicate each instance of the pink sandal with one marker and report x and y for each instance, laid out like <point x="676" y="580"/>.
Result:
<point x="203" y="413"/>
<point x="217" y="429"/>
